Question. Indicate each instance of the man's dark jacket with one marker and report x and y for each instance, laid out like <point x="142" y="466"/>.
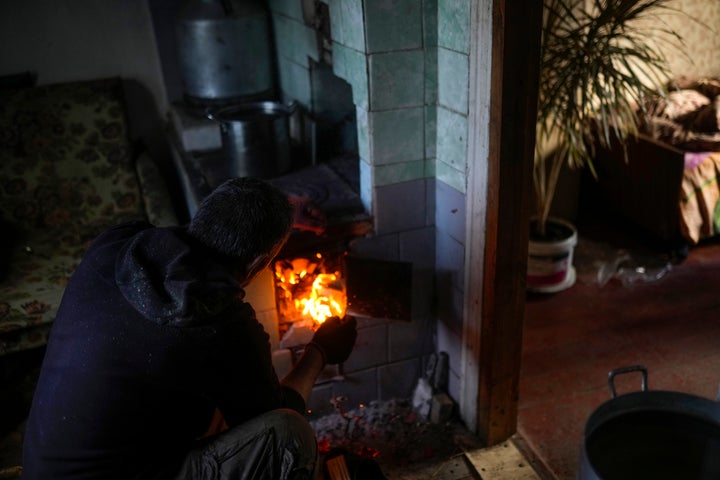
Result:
<point x="150" y="337"/>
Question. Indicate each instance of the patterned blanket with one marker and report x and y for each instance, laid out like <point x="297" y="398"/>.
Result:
<point x="67" y="171"/>
<point x="688" y="118"/>
<point x="699" y="206"/>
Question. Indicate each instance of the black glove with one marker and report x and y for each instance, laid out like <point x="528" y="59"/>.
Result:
<point x="335" y="339"/>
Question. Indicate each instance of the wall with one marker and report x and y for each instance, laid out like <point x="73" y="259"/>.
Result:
<point x="702" y="40"/>
<point x="67" y="40"/>
<point x="453" y="41"/>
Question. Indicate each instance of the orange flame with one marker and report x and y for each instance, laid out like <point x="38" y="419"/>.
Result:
<point x="306" y="292"/>
<point x="327" y="298"/>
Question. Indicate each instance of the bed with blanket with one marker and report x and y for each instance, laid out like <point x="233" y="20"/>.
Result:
<point x="666" y="180"/>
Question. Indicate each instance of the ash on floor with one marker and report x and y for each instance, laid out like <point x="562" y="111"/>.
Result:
<point x="404" y="444"/>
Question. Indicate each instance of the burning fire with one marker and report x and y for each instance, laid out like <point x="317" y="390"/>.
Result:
<point x="308" y="292"/>
<point x="325" y="298"/>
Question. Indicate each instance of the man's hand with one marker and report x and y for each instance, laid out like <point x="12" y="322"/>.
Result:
<point x="335" y="339"/>
<point x="307" y="215"/>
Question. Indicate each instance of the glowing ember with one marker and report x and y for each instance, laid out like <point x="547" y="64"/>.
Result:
<point x="308" y="292"/>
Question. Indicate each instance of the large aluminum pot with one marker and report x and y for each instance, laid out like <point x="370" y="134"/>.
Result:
<point x="224" y="50"/>
<point x="256" y="138"/>
<point x="651" y="434"/>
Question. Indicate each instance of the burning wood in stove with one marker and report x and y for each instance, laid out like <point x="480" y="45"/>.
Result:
<point x="309" y="291"/>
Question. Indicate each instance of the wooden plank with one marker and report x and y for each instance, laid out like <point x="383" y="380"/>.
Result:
<point x="479" y="132"/>
<point x="337" y="468"/>
<point x="501" y="462"/>
<point x="495" y="282"/>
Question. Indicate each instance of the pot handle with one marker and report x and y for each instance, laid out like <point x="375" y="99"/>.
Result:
<point x="210" y="115"/>
<point x="622" y="370"/>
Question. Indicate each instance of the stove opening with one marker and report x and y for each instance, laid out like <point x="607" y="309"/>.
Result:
<point x="309" y="290"/>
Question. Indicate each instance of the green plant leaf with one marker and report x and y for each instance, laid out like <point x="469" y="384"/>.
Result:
<point x="600" y="59"/>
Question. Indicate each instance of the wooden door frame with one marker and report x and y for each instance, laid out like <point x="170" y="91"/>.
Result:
<point x="504" y="64"/>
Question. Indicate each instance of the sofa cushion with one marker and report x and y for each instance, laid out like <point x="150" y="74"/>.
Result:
<point x="66" y="173"/>
<point x="33" y="288"/>
<point x="65" y="157"/>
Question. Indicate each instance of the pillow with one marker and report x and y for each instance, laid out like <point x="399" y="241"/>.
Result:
<point x="65" y="156"/>
<point x="705" y="119"/>
<point x="677" y="104"/>
<point x="710" y="87"/>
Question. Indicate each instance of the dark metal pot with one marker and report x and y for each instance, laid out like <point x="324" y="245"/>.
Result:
<point x="651" y="434"/>
<point x="256" y="138"/>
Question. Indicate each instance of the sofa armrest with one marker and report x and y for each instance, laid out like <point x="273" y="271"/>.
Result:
<point x="159" y="207"/>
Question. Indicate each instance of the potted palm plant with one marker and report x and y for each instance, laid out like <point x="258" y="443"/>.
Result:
<point x="599" y="58"/>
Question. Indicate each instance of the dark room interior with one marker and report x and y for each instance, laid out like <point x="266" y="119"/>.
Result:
<point x="393" y="118"/>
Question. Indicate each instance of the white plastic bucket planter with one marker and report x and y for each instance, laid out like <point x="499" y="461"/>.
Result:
<point x="550" y="262"/>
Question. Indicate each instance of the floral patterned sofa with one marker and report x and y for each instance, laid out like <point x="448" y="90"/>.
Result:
<point x="67" y="171"/>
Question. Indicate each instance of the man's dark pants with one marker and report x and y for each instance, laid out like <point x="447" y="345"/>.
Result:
<point x="277" y="445"/>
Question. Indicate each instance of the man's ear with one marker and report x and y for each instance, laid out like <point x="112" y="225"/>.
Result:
<point x="263" y="260"/>
<point x="258" y="263"/>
